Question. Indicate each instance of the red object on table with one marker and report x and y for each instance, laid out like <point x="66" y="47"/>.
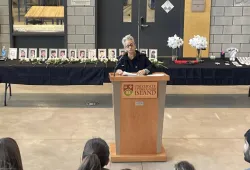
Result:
<point x="186" y="62"/>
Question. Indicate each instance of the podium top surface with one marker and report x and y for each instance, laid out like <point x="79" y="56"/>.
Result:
<point x="158" y="76"/>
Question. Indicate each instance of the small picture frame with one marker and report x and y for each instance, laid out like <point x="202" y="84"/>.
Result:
<point x="112" y="53"/>
<point x="22" y="53"/>
<point x="12" y="53"/>
<point x="72" y="53"/>
<point x="82" y="53"/>
<point x="92" y="53"/>
<point x="43" y="52"/>
<point x="32" y="53"/>
<point x="153" y="53"/>
<point x="121" y="52"/>
<point x="53" y="53"/>
<point x="62" y="53"/>
<point x="144" y="51"/>
<point x="102" y="53"/>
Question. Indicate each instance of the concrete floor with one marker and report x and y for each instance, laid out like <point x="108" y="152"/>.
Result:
<point x="204" y="125"/>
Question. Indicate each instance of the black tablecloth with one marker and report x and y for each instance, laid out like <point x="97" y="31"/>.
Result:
<point x="207" y="73"/>
<point x="15" y="72"/>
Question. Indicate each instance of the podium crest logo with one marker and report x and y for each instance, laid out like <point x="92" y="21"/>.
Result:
<point x="128" y="89"/>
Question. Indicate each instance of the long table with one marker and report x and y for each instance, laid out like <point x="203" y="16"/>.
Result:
<point x="45" y="12"/>
<point x="207" y="73"/>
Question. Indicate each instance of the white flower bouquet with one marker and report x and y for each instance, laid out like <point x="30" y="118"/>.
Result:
<point x="23" y="60"/>
<point x="74" y="60"/>
<point x="175" y="43"/>
<point x="113" y="59"/>
<point x="36" y="60"/>
<point x="199" y="43"/>
<point x="157" y="63"/>
<point x="53" y="61"/>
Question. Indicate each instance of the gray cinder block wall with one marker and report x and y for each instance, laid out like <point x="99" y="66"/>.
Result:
<point x="81" y="25"/>
<point x="230" y="26"/>
<point x="4" y="23"/>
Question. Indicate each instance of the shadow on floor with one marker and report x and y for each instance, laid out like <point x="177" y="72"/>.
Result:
<point x="105" y="100"/>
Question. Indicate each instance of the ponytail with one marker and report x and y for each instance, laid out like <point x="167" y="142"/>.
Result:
<point x="90" y="162"/>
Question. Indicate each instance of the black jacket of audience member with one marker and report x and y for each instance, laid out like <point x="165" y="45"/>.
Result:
<point x="139" y="62"/>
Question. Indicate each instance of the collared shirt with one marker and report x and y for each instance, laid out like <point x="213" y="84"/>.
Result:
<point x="139" y="62"/>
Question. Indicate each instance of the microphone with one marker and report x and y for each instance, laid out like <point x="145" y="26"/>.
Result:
<point x="119" y="61"/>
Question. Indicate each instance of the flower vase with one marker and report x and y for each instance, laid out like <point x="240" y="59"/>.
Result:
<point x="198" y="56"/>
<point x="174" y="54"/>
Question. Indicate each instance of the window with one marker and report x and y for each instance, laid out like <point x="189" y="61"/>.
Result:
<point x="151" y="11"/>
<point x="38" y="15"/>
<point x="127" y="10"/>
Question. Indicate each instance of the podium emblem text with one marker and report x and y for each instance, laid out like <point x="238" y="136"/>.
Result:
<point x="139" y="90"/>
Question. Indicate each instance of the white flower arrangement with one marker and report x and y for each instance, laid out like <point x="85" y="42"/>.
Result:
<point x="113" y="59"/>
<point x="157" y="63"/>
<point x="36" y="60"/>
<point x="24" y="60"/>
<point x="74" y="60"/>
<point x="93" y="59"/>
<point x="198" y="42"/>
<point x="104" y="60"/>
<point x="175" y="42"/>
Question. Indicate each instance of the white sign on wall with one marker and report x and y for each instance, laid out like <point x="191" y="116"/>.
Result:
<point x="80" y="2"/>
<point x="167" y="6"/>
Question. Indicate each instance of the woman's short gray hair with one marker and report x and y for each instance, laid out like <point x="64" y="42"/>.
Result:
<point x="127" y="37"/>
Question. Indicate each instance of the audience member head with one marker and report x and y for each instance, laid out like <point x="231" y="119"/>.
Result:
<point x="99" y="147"/>
<point x="90" y="162"/>
<point x="184" y="165"/>
<point x="246" y="146"/>
<point x="10" y="157"/>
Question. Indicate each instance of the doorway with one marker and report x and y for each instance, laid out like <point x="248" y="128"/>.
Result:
<point x="145" y="20"/>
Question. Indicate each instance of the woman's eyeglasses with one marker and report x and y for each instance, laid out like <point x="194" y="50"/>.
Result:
<point x="130" y="45"/>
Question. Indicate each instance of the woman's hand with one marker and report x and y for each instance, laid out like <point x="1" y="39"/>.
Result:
<point x="119" y="71"/>
<point x="141" y="72"/>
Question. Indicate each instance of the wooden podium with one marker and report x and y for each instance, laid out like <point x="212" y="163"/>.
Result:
<point x="139" y="103"/>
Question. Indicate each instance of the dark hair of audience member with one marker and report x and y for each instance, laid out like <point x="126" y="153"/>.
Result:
<point x="184" y="165"/>
<point x="99" y="147"/>
<point x="10" y="157"/>
<point x="90" y="162"/>
<point x="247" y="151"/>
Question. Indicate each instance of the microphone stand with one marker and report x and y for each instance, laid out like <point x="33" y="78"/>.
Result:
<point x="117" y="64"/>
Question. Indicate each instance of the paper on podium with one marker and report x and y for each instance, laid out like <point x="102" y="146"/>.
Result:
<point x="128" y="74"/>
<point x="157" y="74"/>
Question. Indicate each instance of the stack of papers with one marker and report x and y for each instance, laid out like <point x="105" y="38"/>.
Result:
<point x="134" y="74"/>
<point x="157" y="74"/>
<point x="128" y="74"/>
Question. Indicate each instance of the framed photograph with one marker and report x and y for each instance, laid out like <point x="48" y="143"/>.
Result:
<point x="72" y="53"/>
<point x="12" y="53"/>
<point x="102" y="53"/>
<point x="52" y="53"/>
<point x="43" y="52"/>
<point x="112" y="53"/>
<point x="82" y="53"/>
<point x="144" y="51"/>
<point x="92" y="53"/>
<point x="32" y="53"/>
<point x="23" y="53"/>
<point x="121" y="52"/>
<point x="62" y="53"/>
<point x="153" y="53"/>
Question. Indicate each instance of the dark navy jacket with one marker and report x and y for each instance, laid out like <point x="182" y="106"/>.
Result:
<point x="139" y="62"/>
